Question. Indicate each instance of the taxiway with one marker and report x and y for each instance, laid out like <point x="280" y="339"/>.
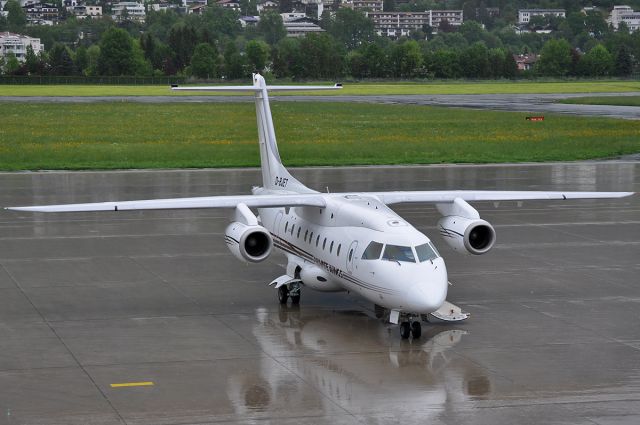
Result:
<point x="534" y="103"/>
<point x="88" y="300"/>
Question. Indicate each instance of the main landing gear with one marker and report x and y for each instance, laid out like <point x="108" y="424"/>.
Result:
<point x="408" y="328"/>
<point x="291" y="290"/>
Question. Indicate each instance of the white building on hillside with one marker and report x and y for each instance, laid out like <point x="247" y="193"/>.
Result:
<point x="525" y="15"/>
<point x="131" y="10"/>
<point x="400" y="24"/>
<point x="17" y="44"/>
<point x="627" y="15"/>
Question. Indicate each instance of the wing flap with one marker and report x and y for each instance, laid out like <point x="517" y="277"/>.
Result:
<point x="256" y="201"/>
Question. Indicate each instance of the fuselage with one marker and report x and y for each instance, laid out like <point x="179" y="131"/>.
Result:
<point x="357" y="244"/>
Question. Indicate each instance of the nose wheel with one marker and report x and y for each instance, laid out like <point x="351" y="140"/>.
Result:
<point x="408" y="329"/>
<point x="292" y="291"/>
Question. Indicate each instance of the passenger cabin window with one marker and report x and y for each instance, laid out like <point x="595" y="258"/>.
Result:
<point x="350" y="254"/>
<point x="286" y="227"/>
<point x="398" y="253"/>
<point x="298" y="235"/>
<point x="311" y="237"/>
<point x="317" y="240"/>
<point x="338" y="253"/>
<point x="373" y="251"/>
<point x="331" y="247"/>
<point x="426" y="252"/>
<point x="324" y="243"/>
<point x="293" y="226"/>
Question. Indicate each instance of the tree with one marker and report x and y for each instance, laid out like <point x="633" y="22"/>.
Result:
<point x="555" y="58"/>
<point x="510" y="66"/>
<point x="233" y="62"/>
<point x="204" y="62"/>
<point x="271" y="27"/>
<point x="93" y="56"/>
<point x="16" y="17"/>
<point x="31" y="61"/>
<point x="116" y="53"/>
<point x="474" y="61"/>
<point x="444" y="64"/>
<point x="406" y="59"/>
<point x="321" y="56"/>
<point x="598" y="62"/>
<point x="60" y="61"/>
<point x="257" y="55"/>
<point x="11" y="65"/>
<point x="623" y="65"/>
<point x="352" y="28"/>
<point x="286" y="58"/>
<point x="182" y="40"/>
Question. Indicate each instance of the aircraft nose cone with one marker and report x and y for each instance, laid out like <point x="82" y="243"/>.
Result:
<point x="427" y="296"/>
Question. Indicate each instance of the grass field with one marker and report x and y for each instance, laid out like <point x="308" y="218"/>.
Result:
<point x="499" y="87"/>
<point x="132" y="135"/>
<point x="605" y="100"/>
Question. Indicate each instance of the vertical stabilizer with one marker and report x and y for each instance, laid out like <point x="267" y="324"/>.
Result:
<point x="274" y="173"/>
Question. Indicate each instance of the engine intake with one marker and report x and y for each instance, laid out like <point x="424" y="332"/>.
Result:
<point x="474" y="236"/>
<point x="248" y="243"/>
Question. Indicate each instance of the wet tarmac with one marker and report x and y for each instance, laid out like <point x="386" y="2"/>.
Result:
<point x="88" y="300"/>
<point x="534" y="103"/>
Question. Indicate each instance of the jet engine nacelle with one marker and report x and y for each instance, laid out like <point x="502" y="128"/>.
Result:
<point x="473" y="236"/>
<point x="248" y="243"/>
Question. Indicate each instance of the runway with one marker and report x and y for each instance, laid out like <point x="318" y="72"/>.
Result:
<point x="535" y="103"/>
<point x="88" y="300"/>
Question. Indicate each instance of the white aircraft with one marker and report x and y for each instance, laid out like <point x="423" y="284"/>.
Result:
<point x="344" y="241"/>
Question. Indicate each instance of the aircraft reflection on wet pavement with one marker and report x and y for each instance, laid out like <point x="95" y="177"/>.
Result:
<point x="423" y="368"/>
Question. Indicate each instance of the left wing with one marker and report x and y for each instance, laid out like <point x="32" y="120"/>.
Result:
<point x="443" y="196"/>
<point x="257" y="201"/>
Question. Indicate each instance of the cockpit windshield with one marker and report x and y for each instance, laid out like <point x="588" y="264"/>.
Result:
<point x="398" y="253"/>
<point x="373" y="251"/>
<point x="426" y="252"/>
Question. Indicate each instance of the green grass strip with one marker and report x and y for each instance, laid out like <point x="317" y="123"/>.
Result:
<point x="119" y="135"/>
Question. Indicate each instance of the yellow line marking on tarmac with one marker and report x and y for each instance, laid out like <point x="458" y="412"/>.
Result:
<point x="132" y="384"/>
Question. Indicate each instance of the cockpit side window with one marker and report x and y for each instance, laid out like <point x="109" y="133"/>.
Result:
<point x="373" y="251"/>
<point x="426" y="252"/>
<point x="398" y="253"/>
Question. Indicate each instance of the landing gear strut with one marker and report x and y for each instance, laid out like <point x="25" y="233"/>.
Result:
<point x="283" y="294"/>
<point x="291" y="290"/>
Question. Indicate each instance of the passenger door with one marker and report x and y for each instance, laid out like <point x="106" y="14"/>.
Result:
<point x="351" y="254"/>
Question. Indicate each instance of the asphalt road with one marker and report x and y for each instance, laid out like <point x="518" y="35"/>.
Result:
<point x="154" y="299"/>
<point x="535" y="103"/>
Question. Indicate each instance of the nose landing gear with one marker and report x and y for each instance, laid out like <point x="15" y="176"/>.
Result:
<point x="410" y="328"/>
<point x="290" y="290"/>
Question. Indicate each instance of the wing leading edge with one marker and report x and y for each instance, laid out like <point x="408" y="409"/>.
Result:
<point x="319" y="200"/>
<point x="256" y="201"/>
<point x="390" y="198"/>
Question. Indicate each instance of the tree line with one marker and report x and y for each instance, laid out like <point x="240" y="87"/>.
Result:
<point x="214" y="45"/>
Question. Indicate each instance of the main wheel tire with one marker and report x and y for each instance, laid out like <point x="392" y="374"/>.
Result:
<point x="416" y="330"/>
<point x="295" y="299"/>
<point x="283" y="294"/>
<point x="405" y="330"/>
